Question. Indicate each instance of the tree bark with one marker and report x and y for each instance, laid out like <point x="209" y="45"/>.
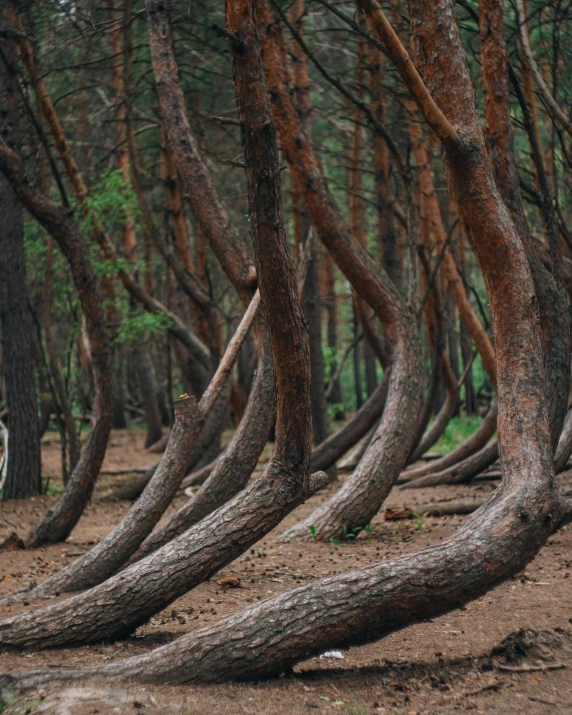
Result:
<point x="501" y="537"/>
<point x="353" y="506"/>
<point x="235" y="467"/>
<point x="59" y="521"/>
<point x="119" y="605"/>
<point x="552" y="299"/>
<point x="23" y="475"/>
<point x="303" y="224"/>
<point x="470" y="446"/>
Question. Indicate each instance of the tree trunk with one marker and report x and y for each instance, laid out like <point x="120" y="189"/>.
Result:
<point x="233" y="470"/>
<point x="303" y="224"/>
<point x="130" y="598"/>
<point x="366" y="604"/>
<point x="60" y="519"/>
<point x="552" y="299"/>
<point x="23" y="477"/>
<point x="148" y="387"/>
<point x="336" y="396"/>
<point x="353" y="506"/>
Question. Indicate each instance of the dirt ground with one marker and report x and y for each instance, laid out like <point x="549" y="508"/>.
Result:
<point x="441" y="666"/>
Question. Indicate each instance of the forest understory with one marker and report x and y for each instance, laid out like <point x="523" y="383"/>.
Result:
<point x="439" y="667"/>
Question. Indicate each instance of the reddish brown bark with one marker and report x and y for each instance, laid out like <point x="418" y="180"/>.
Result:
<point x="552" y="300"/>
<point x="500" y="538"/>
<point x="207" y="208"/>
<point x="361" y="495"/>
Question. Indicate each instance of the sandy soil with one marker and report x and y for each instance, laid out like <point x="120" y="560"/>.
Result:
<point x="442" y="666"/>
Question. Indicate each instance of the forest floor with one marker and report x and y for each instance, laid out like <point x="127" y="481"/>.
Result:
<point x="441" y="666"/>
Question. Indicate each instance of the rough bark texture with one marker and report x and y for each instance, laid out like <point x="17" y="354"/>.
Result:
<point x="23" y="474"/>
<point x="61" y="518"/>
<point x="119" y="605"/>
<point x="500" y="538"/>
<point x="431" y="216"/>
<point x="359" y="499"/>
<point x="552" y="299"/>
<point x="234" y="468"/>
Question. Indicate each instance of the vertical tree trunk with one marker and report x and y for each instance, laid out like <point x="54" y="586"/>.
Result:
<point x="387" y="236"/>
<point x="336" y="395"/>
<point x="23" y="477"/>
<point x="60" y="519"/>
<point x="552" y="299"/>
<point x="311" y="291"/>
<point x="72" y="436"/>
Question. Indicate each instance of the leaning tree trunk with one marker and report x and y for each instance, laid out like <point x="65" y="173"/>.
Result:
<point x="127" y="600"/>
<point x="61" y="518"/>
<point x="115" y="549"/>
<point x="465" y="450"/>
<point x="461" y="472"/>
<point x="235" y="467"/>
<point x="502" y="536"/>
<point x="23" y="475"/>
<point x="359" y="499"/>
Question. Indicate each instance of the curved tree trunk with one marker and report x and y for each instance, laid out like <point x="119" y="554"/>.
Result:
<point x="353" y="506"/>
<point x="470" y="446"/>
<point x="459" y="473"/>
<point x="235" y="467"/>
<point x="128" y="599"/>
<point x="61" y="518"/>
<point x="495" y="542"/>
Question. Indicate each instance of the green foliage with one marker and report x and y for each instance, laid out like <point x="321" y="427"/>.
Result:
<point x="419" y="518"/>
<point x="335" y="408"/>
<point x="113" y="200"/>
<point x="142" y="327"/>
<point x="457" y="431"/>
